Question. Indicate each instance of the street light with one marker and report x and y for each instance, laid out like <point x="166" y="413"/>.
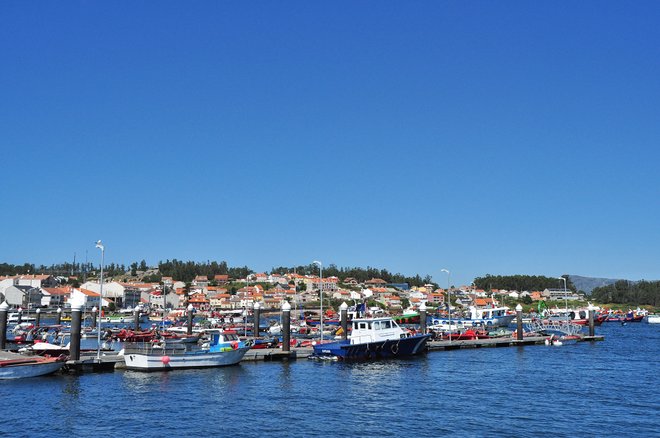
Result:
<point x="448" y="299"/>
<point x="320" y="265"/>
<point x="100" y="246"/>
<point x="565" y="298"/>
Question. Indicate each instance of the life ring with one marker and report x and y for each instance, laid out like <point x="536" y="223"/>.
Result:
<point x="234" y="345"/>
<point x="231" y="320"/>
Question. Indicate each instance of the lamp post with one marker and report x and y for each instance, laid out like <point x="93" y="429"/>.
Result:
<point x="320" y="265"/>
<point x="448" y="299"/>
<point x="100" y="246"/>
<point x="565" y="299"/>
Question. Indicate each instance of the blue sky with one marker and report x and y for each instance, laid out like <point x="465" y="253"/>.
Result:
<point x="481" y="137"/>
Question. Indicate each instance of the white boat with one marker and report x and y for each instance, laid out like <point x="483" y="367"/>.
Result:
<point x="13" y="318"/>
<point x="491" y="316"/>
<point x="444" y="325"/>
<point x="122" y="319"/>
<point x="653" y="319"/>
<point x="24" y="366"/>
<point x="479" y="317"/>
<point x="222" y="348"/>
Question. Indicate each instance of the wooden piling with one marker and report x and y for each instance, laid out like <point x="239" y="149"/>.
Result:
<point x="76" y="322"/>
<point x="4" y="308"/>
<point x="136" y="319"/>
<point x="519" y="324"/>
<point x="37" y="321"/>
<point x="422" y="318"/>
<point x="257" y="317"/>
<point x="286" y="326"/>
<point x="343" y="312"/>
<point x="190" y="318"/>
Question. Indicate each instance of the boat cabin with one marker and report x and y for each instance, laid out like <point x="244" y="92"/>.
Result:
<point x="487" y="313"/>
<point x="222" y="340"/>
<point x="375" y="330"/>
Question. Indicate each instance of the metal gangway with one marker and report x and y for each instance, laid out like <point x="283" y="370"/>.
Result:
<point x="554" y="326"/>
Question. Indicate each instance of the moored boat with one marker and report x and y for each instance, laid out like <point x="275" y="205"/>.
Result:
<point x="631" y="316"/>
<point x="30" y="366"/>
<point x="575" y="316"/>
<point x="653" y="319"/>
<point x="374" y="338"/>
<point x="221" y="348"/>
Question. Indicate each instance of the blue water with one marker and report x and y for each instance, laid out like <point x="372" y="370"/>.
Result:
<point x="600" y="388"/>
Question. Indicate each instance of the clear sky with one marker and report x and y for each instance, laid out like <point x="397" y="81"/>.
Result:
<point x="481" y="137"/>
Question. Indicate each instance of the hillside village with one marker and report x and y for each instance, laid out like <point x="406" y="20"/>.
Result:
<point x="219" y="292"/>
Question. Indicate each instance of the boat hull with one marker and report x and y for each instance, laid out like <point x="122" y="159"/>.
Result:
<point x="344" y="350"/>
<point x="29" y="369"/>
<point x="168" y="360"/>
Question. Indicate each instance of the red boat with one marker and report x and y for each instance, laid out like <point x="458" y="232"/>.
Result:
<point x="627" y="317"/>
<point x="467" y="335"/>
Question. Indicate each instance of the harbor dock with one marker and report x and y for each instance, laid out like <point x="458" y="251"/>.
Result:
<point x="109" y="362"/>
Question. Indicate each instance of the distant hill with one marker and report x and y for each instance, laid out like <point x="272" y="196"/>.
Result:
<point x="587" y="284"/>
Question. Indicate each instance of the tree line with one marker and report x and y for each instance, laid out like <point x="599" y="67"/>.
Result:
<point x="521" y="282"/>
<point x="59" y="269"/>
<point x="359" y="274"/>
<point x="624" y="292"/>
<point x="187" y="271"/>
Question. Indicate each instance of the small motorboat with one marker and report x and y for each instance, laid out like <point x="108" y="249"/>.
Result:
<point x="553" y="341"/>
<point x="30" y="366"/>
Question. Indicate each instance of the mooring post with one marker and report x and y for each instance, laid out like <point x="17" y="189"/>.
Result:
<point x="76" y="321"/>
<point x="37" y="322"/>
<point x="4" y="308"/>
<point x="422" y="318"/>
<point x="136" y="319"/>
<point x="94" y="310"/>
<point x="190" y="318"/>
<point x="257" y="317"/>
<point x="343" y="312"/>
<point x="519" y="331"/>
<point x="58" y="321"/>
<point x="20" y="316"/>
<point x="286" y="326"/>
<point x="592" y="330"/>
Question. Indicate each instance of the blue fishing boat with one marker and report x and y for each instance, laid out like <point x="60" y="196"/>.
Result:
<point x="374" y="338"/>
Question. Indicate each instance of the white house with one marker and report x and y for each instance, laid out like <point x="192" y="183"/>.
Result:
<point x="88" y="298"/>
<point x="27" y="297"/>
<point x="124" y="295"/>
<point x="41" y="280"/>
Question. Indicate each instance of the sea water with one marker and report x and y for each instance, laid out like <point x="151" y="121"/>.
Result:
<point x="599" y="388"/>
